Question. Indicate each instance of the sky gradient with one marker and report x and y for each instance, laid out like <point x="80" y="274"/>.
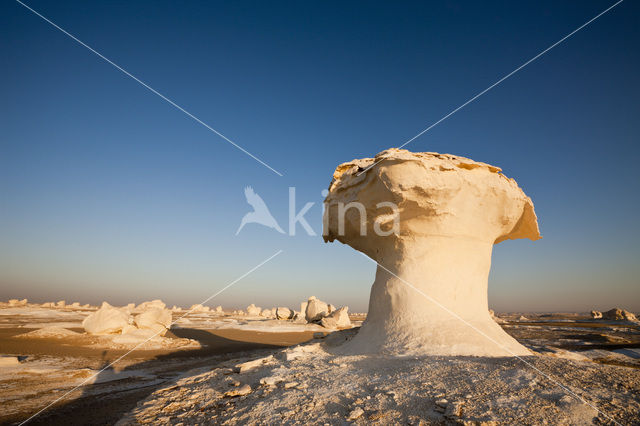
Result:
<point x="107" y="192"/>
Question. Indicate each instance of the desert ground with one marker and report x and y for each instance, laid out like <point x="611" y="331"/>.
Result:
<point x="232" y="368"/>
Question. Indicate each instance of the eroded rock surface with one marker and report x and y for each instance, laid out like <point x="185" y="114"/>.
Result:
<point x="433" y="253"/>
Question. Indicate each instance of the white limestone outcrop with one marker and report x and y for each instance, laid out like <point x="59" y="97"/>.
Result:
<point x="283" y="313"/>
<point x="107" y="320"/>
<point x="253" y="310"/>
<point x="433" y="253"/>
<point x="316" y="309"/>
<point x="155" y="319"/>
<point x="617" y="314"/>
<point x="339" y="318"/>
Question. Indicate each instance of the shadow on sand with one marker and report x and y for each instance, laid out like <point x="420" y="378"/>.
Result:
<point x="117" y="391"/>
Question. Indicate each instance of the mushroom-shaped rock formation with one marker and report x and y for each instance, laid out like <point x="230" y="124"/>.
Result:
<point x="433" y="249"/>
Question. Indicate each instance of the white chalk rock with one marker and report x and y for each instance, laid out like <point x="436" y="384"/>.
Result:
<point x="253" y="310"/>
<point x="316" y="309"/>
<point x="596" y="314"/>
<point x="342" y="317"/>
<point x="129" y="328"/>
<point x="155" y="319"/>
<point x="199" y="308"/>
<point x="433" y="252"/>
<point x="303" y="307"/>
<point x="16" y="302"/>
<point x="617" y="314"/>
<point x="157" y="303"/>
<point x="106" y="320"/>
<point x="339" y="318"/>
<point x="219" y="310"/>
<point x="267" y="313"/>
<point x="494" y="317"/>
<point x="328" y="322"/>
<point x="284" y="313"/>
<point x="60" y="304"/>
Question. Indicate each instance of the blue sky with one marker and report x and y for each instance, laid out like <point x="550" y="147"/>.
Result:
<point x="107" y="192"/>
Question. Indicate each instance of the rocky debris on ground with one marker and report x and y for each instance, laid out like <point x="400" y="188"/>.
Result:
<point x="249" y="365"/>
<point x="240" y="391"/>
<point x="320" y="387"/>
<point x="355" y="414"/>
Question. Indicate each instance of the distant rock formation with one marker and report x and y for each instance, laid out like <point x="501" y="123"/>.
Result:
<point x="254" y="310"/>
<point x="617" y="314"/>
<point x="157" y="303"/>
<point x="283" y="313"/>
<point x="107" y="320"/>
<point x="596" y="314"/>
<point x="433" y="253"/>
<point x="153" y="321"/>
<point x="199" y="308"/>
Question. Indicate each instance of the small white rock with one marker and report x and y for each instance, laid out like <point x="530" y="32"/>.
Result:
<point x="355" y="414"/>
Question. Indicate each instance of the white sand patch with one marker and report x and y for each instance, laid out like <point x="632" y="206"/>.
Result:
<point x="9" y="361"/>
<point x="37" y="312"/>
<point x="59" y="324"/>
<point x="50" y="332"/>
<point x="143" y="340"/>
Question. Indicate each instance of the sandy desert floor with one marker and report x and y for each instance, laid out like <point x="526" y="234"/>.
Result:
<point x="196" y="375"/>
